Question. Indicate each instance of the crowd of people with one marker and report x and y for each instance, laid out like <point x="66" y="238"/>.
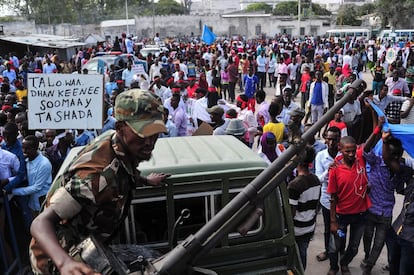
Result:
<point x="266" y="93"/>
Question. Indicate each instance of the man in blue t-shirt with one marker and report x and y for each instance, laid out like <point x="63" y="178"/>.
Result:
<point x="250" y="83"/>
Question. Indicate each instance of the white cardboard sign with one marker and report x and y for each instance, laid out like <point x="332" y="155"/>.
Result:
<point x="65" y="101"/>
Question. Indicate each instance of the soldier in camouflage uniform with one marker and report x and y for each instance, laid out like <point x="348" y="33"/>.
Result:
<point x="92" y="195"/>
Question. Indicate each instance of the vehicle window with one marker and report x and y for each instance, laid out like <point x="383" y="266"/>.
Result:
<point x="92" y="65"/>
<point x="148" y="217"/>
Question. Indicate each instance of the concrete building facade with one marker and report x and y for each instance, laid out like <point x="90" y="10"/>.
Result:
<point x="248" y="25"/>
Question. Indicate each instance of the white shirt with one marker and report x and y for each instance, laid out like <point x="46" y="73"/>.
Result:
<point x="9" y="165"/>
<point x="167" y="104"/>
<point x="347" y="59"/>
<point x="351" y="111"/>
<point x="261" y="64"/>
<point x="322" y="162"/>
<point x="325" y="92"/>
<point x="292" y="70"/>
<point x="249" y="122"/>
<point x="154" y="71"/>
<point x="410" y="118"/>
<point x="383" y="103"/>
<point x="221" y="129"/>
<point x="200" y="111"/>
<point x="49" y="68"/>
<point x="284" y="115"/>
<point x="127" y="76"/>
<point x="163" y="92"/>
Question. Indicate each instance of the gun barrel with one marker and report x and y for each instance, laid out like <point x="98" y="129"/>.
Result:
<point x="187" y="253"/>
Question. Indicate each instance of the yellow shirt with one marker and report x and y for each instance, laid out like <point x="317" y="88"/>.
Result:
<point x="276" y="128"/>
<point x="331" y="78"/>
<point x="20" y="94"/>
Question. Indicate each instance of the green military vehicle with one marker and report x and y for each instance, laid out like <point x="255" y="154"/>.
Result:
<point x="206" y="173"/>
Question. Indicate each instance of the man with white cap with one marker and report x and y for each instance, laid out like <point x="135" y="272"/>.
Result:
<point x="92" y="195"/>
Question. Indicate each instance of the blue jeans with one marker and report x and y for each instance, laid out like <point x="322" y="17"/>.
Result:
<point x="378" y="225"/>
<point x="27" y="215"/>
<point x="400" y="254"/>
<point x="303" y="244"/>
<point x="377" y="86"/>
<point x="356" y="230"/>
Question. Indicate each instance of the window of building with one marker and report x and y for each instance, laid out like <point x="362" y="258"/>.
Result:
<point x="258" y="29"/>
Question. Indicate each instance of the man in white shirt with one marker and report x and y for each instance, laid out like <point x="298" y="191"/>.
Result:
<point x="128" y="76"/>
<point x="347" y="59"/>
<point x="200" y="113"/>
<point x="178" y="115"/>
<point x="49" y="67"/>
<point x="261" y="69"/>
<point x="293" y="68"/>
<point x="160" y="90"/>
<point x="407" y="112"/>
<point x="323" y="161"/>
<point x="129" y="44"/>
<point x="288" y="106"/>
<point x="155" y="69"/>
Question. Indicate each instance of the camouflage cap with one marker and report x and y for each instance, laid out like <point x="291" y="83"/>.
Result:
<point x="142" y="111"/>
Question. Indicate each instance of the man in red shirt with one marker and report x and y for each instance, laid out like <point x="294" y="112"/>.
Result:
<point x="347" y="185"/>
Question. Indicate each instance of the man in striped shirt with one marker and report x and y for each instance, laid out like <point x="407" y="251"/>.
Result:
<point x="304" y="193"/>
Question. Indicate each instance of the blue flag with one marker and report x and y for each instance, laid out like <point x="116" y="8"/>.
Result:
<point x="404" y="132"/>
<point x="208" y="36"/>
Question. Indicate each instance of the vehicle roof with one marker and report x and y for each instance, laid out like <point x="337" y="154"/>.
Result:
<point x="201" y="154"/>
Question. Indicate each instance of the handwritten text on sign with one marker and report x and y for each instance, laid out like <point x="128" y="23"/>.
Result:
<point x="65" y="101"/>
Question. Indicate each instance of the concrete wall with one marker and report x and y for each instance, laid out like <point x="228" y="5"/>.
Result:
<point x="180" y="25"/>
<point x="224" y="26"/>
<point x="10" y="28"/>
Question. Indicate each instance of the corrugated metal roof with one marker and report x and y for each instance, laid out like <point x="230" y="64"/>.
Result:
<point x="43" y="40"/>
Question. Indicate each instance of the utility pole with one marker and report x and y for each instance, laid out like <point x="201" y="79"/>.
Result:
<point x="153" y="18"/>
<point x="299" y="18"/>
<point x="126" y="13"/>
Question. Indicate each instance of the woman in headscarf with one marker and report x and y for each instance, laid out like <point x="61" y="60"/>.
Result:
<point x="269" y="150"/>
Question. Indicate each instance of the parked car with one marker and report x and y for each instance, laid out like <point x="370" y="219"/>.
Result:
<point x="101" y="63"/>
<point x="119" y="60"/>
<point x="155" y="50"/>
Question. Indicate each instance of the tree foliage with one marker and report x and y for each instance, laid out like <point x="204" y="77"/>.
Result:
<point x="291" y="8"/>
<point x="395" y="13"/>
<point x="286" y="8"/>
<point x="319" y="10"/>
<point x="259" y="7"/>
<point x="166" y="7"/>
<point x="348" y="15"/>
<point x="90" y="11"/>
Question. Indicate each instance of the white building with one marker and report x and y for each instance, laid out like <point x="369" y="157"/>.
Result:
<point x="334" y="5"/>
<point x="214" y="6"/>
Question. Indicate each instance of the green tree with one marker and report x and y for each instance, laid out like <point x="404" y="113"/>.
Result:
<point x="286" y="8"/>
<point x="259" y="7"/>
<point x="348" y="15"/>
<point x="366" y="8"/>
<point x="291" y="8"/>
<point x="319" y="10"/>
<point x="165" y="7"/>
<point x="397" y="13"/>
<point x="76" y="11"/>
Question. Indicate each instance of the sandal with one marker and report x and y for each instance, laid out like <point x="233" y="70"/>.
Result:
<point x="323" y="256"/>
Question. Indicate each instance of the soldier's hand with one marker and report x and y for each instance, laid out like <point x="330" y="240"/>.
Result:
<point x="72" y="267"/>
<point x="156" y="179"/>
